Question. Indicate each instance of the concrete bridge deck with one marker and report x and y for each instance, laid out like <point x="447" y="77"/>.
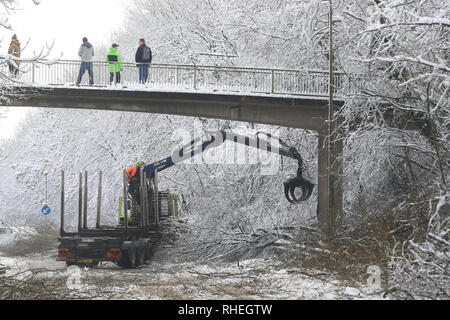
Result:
<point x="289" y="111"/>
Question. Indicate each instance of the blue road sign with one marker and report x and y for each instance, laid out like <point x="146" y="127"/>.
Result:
<point x="46" y="210"/>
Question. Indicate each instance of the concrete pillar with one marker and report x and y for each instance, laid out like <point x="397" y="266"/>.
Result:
<point x="322" y="184"/>
<point x="335" y="184"/>
<point x="330" y="191"/>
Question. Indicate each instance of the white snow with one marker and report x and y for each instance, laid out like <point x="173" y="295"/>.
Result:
<point x="349" y="291"/>
<point x="4" y="22"/>
<point x="252" y="279"/>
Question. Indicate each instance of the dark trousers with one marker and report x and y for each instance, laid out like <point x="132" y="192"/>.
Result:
<point x="135" y="192"/>
<point x="143" y="73"/>
<point x="111" y="77"/>
<point x="13" y="70"/>
<point x="90" y="69"/>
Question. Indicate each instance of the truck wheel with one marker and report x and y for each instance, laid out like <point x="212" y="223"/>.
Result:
<point x="129" y="258"/>
<point x="140" y="254"/>
<point x="149" y="250"/>
<point x="132" y="258"/>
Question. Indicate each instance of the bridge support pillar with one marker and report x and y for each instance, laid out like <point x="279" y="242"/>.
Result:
<point x="330" y="191"/>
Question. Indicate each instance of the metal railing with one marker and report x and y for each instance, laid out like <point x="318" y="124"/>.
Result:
<point x="190" y="77"/>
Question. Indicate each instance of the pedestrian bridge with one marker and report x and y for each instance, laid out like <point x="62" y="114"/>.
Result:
<point x="291" y="98"/>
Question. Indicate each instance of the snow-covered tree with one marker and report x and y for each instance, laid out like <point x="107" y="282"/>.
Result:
<point x="12" y="58"/>
<point x="247" y="33"/>
<point x="398" y="146"/>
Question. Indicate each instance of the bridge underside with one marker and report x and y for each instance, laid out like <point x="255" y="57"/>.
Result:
<point x="295" y="112"/>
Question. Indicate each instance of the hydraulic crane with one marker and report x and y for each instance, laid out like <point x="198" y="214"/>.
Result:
<point x="217" y="138"/>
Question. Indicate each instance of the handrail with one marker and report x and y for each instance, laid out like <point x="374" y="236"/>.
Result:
<point x="174" y="65"/>
<point x="188" y="77"/>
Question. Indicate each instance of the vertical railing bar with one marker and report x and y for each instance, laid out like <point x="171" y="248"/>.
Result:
<point x="33" y="73"/>
<point x="273" y="81"/>
<point x="195" y="77"/>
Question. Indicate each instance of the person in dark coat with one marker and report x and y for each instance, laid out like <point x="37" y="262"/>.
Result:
<point x="143" y="60"/>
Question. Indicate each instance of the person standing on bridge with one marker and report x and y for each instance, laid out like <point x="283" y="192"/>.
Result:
<point x="14" y="50"/>
<point x="115" y="63"/>
<point x="86" y="53"/>
<point x="143" y="60"/>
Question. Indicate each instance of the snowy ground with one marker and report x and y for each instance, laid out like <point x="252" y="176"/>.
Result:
<point x="172" y="275"/>
<point x="251" y="279"/>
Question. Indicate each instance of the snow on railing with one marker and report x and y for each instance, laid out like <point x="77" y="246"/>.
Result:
<point x="189" y="77"/>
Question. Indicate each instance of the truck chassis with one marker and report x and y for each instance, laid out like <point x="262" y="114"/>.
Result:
<point x="127" y="245"/>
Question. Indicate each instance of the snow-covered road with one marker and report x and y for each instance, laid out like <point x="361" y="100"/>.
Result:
<point x="251" y="279"/>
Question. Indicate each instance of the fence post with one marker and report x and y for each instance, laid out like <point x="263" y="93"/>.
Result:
<point x="195" y="78"/>
<point x="33" y="72"/>
<point x="273" y="81"/>
<point x="178" y="77"/>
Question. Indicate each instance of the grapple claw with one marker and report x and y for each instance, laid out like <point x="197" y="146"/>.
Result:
<point x="291" y="185"/>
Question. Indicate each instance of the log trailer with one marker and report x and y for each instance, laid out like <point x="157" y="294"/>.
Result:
<point x="131" y="244"/>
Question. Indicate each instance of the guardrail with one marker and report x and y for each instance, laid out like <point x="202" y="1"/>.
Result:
<point x="190" y="77"/>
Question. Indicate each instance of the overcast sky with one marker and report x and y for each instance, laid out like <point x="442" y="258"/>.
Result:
<point x="66" y="22"/>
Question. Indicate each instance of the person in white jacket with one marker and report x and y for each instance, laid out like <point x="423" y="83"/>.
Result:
<point x="86" y="53"/>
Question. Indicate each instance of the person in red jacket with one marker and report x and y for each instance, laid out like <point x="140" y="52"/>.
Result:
<point x="134" y="174"/>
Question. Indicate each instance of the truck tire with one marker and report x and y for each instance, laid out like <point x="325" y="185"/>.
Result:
<point x="141" y="255"/>
<point x="149" y="249"/>
<point x="131" y="259"/>
<point x="129" y="255"/>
